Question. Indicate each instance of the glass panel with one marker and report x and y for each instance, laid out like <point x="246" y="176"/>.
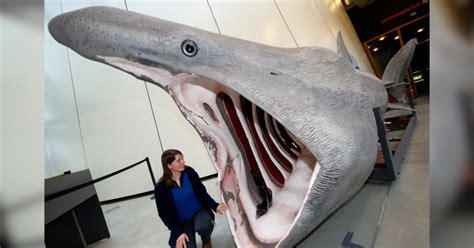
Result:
<point x="420" y="63"/>
<point x="383" y="49"/>
<point x="419" y="29"/>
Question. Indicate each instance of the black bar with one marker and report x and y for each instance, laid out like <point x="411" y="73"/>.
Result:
<point x="126" y="197"/>
<point x="403" y="146"/>
<point x="80" y="186"/>
<point x="387" y="153"/>
<point x="209" y="177"/>
<point x="151" y="171"/>
<point x="149" y="192"/>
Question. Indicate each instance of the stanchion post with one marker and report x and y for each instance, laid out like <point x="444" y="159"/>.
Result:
<point x="151" y="171"/>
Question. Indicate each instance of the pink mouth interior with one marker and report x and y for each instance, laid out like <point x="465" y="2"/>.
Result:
<point x="229" y="113"/>
<point x="270" y="140"/>
<point x="265" y="172"/>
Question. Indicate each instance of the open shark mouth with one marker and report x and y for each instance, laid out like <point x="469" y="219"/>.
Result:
<point x="291" y="132"/>
<point x="265" y="172"/>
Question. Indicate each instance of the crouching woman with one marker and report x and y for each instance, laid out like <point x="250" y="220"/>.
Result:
<point x="183" y="203"/>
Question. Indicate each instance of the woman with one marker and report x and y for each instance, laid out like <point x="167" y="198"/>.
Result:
<point x="183" y="203"/>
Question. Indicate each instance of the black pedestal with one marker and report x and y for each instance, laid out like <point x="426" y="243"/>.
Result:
<point x="75" y="219"/>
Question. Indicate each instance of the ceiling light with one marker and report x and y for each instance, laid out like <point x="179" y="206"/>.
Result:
<point x="420" y="30"/>
<point x="382" y="38"/>
<point x="375" y="49"/>
<point x="417" y="77"/>
<point x="396" y="37"/>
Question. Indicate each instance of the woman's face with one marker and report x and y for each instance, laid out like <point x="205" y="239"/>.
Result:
<point x="178" y="163"/>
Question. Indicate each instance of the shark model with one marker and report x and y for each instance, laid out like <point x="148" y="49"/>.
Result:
<point x="290" y="130"/>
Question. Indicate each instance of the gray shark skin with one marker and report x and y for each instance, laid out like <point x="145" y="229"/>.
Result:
<point x="396" y="70"/>
<point x="311" y="96"/>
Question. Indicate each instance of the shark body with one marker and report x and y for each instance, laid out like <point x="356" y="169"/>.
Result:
<point x="290" y="130"/>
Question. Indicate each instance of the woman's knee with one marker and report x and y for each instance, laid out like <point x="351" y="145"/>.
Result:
<point x="204" y="227"/>
<point x="204" y="223"/>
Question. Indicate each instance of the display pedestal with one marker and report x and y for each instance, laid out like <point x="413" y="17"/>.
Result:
<point x="75" y="219"/>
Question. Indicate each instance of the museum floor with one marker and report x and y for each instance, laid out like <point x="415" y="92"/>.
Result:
<point x="382" y="214"/>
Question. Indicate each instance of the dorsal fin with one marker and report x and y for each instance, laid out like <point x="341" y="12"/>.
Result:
<point x="341" y="47"/>
<point x="398" y="65"/>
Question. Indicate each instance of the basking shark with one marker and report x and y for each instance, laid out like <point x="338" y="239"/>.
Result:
<point x="290" y="131"/>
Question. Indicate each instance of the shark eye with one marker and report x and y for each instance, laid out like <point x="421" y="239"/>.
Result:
<point x="189" y="48"/>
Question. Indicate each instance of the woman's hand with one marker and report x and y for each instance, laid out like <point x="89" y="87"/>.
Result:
<point x="221" y="208"/>
<point x="182" y="240"/>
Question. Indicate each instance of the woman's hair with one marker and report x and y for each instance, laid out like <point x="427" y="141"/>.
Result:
<point x="168" y="157"/>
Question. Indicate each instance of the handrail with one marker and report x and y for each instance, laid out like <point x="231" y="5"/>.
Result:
<point x="82" y="185"/>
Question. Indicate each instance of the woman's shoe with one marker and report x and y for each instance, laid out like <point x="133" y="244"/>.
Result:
<point x="207" y="245"/>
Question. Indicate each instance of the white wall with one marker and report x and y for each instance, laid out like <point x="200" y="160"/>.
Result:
<point x="337" y="19"/>
<point x="100" y="118"/>
<point x="21" y="124"/>
<point x="63" y="142"/>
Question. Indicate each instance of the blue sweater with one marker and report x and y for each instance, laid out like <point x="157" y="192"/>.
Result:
<point x="167" y="209"/>
<point x="185" y="199"/>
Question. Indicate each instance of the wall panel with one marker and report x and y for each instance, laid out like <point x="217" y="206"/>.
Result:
<point x="257" y="21"/>
<point x="194" y="13"/>
<point x="306" y="24"/>
<point x="21" y="124"/>
<point x="174" y="129"/>
<point x="116" y="119"/>
<point x="70" y="5"/>
<point x="336" y="18"/>
<point x="62" y="144"/>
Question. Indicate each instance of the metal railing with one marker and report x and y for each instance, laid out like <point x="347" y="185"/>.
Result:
<point x="82" y="185"/>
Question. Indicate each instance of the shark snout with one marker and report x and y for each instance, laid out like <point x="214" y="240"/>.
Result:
<point x="56" y="29"/>
<point x="75" y="30"/>
<point x="93" y="31"/>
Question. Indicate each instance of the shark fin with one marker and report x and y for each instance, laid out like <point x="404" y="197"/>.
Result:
<point x="397" y="67"/>
<point x="341" y="47"/>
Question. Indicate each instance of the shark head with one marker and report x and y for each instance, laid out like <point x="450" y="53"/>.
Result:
<point x="290" y="130"/>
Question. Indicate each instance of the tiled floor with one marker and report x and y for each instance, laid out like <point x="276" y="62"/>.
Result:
<point x="381" y="215"/>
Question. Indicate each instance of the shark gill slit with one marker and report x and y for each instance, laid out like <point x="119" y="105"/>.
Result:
<point x="273" y="149"/>
<point x="254" y="118"/>
<point x="287" y="138"/>
<point x="271" y="169"/>
<point x="226" y="107"/>
<point x="280" y="140"/>
<point x="260" y="192"/>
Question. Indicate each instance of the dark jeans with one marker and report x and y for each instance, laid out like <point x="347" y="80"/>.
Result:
<point x="201" y="223"/>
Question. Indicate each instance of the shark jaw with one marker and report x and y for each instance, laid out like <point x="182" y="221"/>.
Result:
<point x="265" y="172"/>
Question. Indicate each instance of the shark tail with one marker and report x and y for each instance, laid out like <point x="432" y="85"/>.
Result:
<point x="396" y="70"/>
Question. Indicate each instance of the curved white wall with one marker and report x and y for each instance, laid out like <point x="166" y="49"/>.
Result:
<point x="103" y="119"/>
